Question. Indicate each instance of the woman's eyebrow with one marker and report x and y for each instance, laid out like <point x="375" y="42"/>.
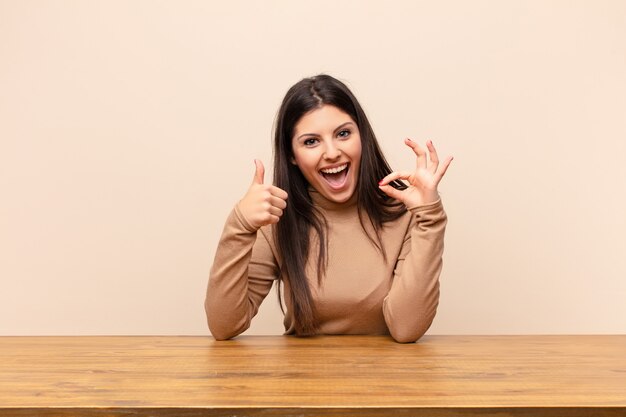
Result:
<point x="343" y="125"/>
<point x="336" y="129"/>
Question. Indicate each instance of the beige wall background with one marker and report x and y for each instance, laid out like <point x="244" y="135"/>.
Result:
<point x="128" y="131"/>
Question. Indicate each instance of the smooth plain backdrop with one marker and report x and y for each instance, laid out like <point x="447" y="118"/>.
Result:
<point x="128" y="131"/>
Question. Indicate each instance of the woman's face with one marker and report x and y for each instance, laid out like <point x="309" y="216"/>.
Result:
<point x="327" y="149"/>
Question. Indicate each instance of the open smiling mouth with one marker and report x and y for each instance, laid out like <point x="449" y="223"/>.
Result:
<point x="336" y="177"/>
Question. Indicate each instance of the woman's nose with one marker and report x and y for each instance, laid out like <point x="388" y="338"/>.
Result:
<point x="332" y="151"/>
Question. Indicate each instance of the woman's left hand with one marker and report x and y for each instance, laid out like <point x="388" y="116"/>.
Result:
<point x="423" y="182"/>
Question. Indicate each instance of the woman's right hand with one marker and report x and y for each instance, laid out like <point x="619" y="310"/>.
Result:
<point x="263" y="203"/>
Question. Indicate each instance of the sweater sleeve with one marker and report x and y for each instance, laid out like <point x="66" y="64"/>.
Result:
<point x="411" y="304"/>
<point x="242" y="275"/>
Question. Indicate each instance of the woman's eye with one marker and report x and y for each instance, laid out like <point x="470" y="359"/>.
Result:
<point x="344" y="133"/>
<point x="310" y="142"/>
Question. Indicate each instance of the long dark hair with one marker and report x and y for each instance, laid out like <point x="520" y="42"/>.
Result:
<point x="291" y="233"/>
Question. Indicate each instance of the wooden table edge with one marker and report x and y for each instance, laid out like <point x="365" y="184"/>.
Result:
<point x="198" y="411"/>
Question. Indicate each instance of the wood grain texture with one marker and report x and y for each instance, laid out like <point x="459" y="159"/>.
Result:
<point x="341" y="375"/>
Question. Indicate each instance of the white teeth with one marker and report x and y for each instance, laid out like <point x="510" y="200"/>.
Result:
<point x="334" y="170"/>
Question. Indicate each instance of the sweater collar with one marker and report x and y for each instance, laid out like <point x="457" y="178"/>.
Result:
<point x="326" y="204"/>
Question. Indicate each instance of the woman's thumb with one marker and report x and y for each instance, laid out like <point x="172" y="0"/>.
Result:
<point x="260" y="172"/>
<point x="390" y="191"/>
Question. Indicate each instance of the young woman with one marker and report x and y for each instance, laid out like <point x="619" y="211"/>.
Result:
<point x="357" y="250"/>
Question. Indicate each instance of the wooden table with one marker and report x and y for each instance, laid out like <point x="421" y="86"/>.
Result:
<point x="322" y="376"/>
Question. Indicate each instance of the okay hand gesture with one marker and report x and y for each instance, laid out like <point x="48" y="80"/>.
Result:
<point x="423" y="182"/>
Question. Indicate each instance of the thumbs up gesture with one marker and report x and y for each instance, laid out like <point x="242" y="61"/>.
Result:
<point x="263" y="203"/>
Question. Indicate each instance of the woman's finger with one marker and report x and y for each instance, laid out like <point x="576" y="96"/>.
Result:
<point x="391" y="192"/>
<point x="273" y="219"/>
<point x="396" y="175"/>
<point x="278" y="202"/>
<point x="278" y="192"/>
<point x="275" y="211"/>
<point x="443" y="168"/>
<point x="434" y="158"/>
<point x="419" y="151"/>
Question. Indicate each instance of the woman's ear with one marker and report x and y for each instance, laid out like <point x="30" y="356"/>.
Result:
<point x="293" y="161"/>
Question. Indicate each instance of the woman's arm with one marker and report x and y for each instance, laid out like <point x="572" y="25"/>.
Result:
<point x="410" y="307"/>
<point x="241" y="276"/>
<point x="411" y="304"/>
<point x="244" y="267"/>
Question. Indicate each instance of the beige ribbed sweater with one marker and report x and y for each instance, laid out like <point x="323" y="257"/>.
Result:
<point x="360" y="292"/>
